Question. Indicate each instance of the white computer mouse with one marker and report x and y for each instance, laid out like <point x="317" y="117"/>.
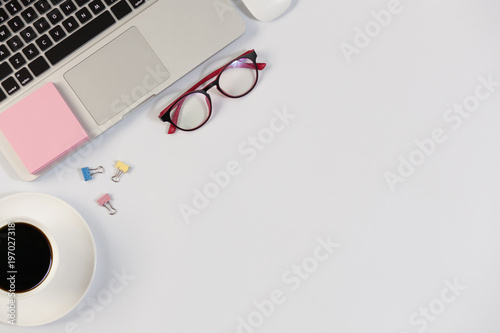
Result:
<point x="266" y="10"/>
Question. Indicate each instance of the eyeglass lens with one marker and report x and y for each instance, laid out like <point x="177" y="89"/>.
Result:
<point x="238" y="78"/>
<point x="193" y="110"/>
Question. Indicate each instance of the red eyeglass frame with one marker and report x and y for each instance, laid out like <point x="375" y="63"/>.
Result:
<point x="165" y="113"/>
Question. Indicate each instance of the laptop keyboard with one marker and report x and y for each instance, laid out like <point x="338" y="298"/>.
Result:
<point x="37" y="34"/>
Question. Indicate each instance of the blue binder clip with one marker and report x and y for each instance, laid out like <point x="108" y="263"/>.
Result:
<point x="88" y="173"/>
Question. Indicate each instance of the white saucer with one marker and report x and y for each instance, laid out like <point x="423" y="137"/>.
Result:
<point x="74" y="258"/>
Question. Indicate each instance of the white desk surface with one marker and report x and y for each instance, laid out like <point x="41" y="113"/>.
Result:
<point x="414" y="248"/>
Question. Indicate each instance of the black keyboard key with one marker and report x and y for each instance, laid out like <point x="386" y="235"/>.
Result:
<point x="70" y="24"/>
<point x="30" y="51"/>
<point x="41" y="25"/>
<point x="57" y="33"/>
<point x="2" y="95"/>
<point x="24" y="76"/>
<point x="29" y="15"/>
<point x="4" y="52"/>
<point x="55" y="16"/>
<point x="38" y="66"/>
<point x="136" y="3"/>
<point x="121" y="9"/>
<point x="83" y="15"/>
<point x="67" y="7"/>
<point x="80" y="37"/>
<point x="44" y="42"/>
<point x="42" y="6"/>
<point x="4" y="33"/>
<point x="28" y="34"/>
<point x="10" y="85"/>
<point x="27" y="2"/>
<point x="81" y="2"/>
<point x="56" y="2"/>
<point x="3" y="15"/>
<point x="16" y="24"/>
<point x="17" y="61"/>
<point x="13" y="7"/>
<point x="15" y="43"/>
<point x="110" y="2"/>
<point x="5" y="70"/>
<point x="96" y="6"/>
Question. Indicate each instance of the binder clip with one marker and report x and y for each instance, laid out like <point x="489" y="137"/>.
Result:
<point x="88" y="173"/>
<point x="105" y="202"/>
<point x="121" y="168"/>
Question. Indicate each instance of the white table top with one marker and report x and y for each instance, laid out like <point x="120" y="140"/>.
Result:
<point x="356" y="190"/>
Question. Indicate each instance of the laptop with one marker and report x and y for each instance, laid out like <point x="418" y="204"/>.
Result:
<point x="71" y="69"/>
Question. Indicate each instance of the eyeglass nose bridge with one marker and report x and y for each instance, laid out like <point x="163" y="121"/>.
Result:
<point x="215" y="83"/>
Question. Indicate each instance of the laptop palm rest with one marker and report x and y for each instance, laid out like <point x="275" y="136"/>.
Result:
<point x="118" y="75"/>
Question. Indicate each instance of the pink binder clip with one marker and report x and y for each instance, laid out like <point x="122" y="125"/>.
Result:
<point x="105" y="202"/>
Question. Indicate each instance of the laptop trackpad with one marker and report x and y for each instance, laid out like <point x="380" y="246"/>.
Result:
<point x="118" y="75"/>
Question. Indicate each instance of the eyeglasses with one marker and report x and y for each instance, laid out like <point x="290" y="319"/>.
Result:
<point x="193" y="109"/>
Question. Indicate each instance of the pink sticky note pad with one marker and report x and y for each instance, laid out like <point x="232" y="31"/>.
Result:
<point x="41" y="128"/>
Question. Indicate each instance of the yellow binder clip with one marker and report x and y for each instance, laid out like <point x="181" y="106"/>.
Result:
<point x="121" y="168"/>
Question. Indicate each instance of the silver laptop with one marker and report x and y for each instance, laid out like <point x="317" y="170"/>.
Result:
<point x="105" y="57"/>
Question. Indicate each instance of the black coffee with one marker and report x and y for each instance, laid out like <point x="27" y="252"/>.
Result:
<point x="25" y="257"/>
